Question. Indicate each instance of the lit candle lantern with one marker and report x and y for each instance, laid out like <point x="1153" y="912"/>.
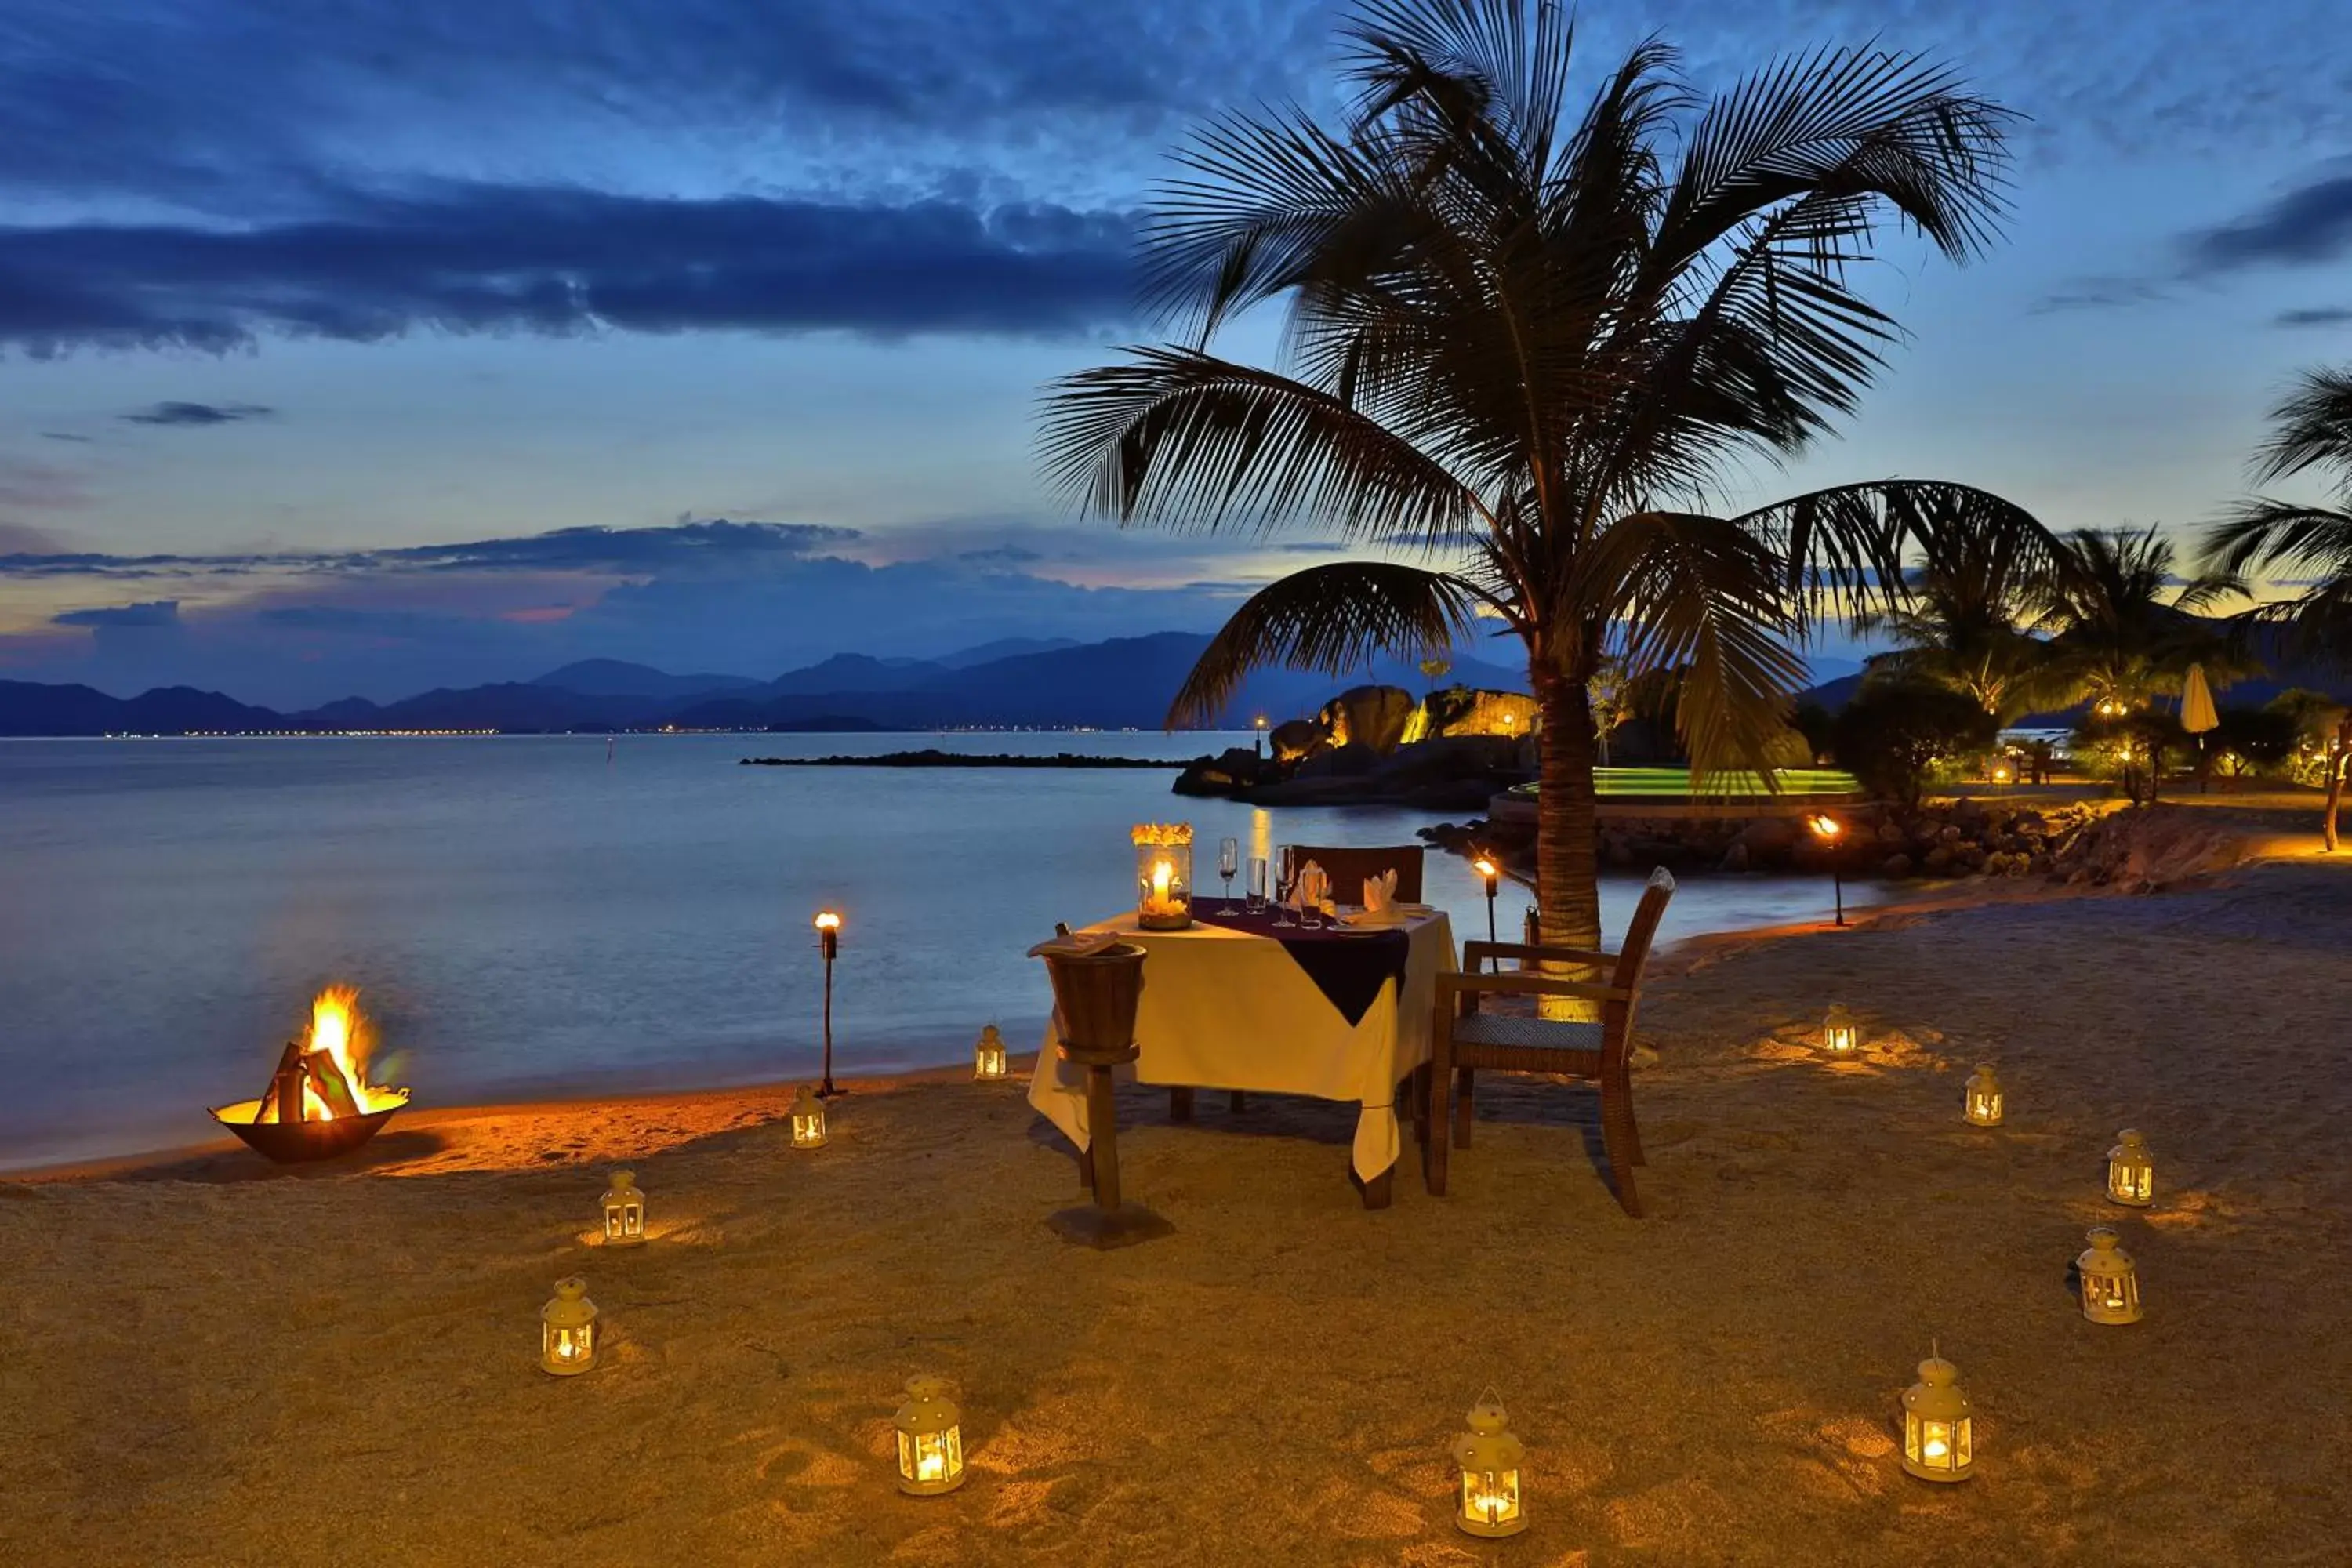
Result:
<point x="988" y="1056"/>
<point x="1983" y="1097"/>
<point x="1841" y="1036"/>
<point x="1163" y="875"/>
<point x="1938" y="1432"/>
<point x="2110" y="1279"/>
<point x="2131" y="1170"/>
<point x="567" y="1330"/>
<point x="625" y="1211"/>
<point x="808" y="1120"/>
<point x="930" y="1439"/>
<point x="1489" y="1458"/>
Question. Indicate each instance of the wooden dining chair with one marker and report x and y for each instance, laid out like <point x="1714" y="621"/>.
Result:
<point x="1466" y="1037"/>
<point x="1349" y="869"/>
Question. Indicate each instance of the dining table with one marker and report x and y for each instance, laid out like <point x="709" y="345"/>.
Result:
<point x="1255" y="1001"/>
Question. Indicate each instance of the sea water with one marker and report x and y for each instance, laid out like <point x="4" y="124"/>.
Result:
<point x="525" y="918"/>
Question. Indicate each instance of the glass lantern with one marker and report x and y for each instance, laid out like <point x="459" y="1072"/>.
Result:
<point x="1163" y="875"/>
<point x="1983" y="1108"/>
<point x="2110" y="1279"/>
<point x="567" y="1330"/>
<point x="625" y="1211"/>
<point x="1489" y="1458"/>
<point x="988" y="1056"/>
<point x="2131" y="1170"/>
<point x="808" y="1120"/>
<point x="1938" y="1432"/>
<point x="1841" y="1036"/>
<point x="930" y="1439"/>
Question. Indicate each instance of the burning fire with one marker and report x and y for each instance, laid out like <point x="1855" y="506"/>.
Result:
<point x="331" y="1065"/>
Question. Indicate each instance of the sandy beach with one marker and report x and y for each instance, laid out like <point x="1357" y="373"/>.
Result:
<point x="207" y="1361"/>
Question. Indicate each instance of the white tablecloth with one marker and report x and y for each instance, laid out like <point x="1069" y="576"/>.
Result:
<point x="1227" y="1009"/>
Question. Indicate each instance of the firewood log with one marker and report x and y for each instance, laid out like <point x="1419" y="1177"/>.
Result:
<point x="327" y="1081"/>
<point x="285" y="1089"/>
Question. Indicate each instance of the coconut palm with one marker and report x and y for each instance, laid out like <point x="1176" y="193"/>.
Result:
<point x="1966" y="626"/>
<point x="1527" y="346"/>
<point x="2312" y="436"/>
<point x="2126" y="626"/>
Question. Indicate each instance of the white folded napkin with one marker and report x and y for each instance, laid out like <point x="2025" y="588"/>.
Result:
<point x="1380" y="892"/>
<point x="1078" y="944"/>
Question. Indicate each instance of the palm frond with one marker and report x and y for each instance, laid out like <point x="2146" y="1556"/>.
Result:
<point x="1191" y="441"/>
<point x="2314" y="430"/>
<point x="1855" y="544"/>
<point x="1701" y="596"/>
<point x="1329" y="618"/>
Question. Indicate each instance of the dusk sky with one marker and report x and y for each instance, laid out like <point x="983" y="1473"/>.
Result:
<point x="316" y="318"/>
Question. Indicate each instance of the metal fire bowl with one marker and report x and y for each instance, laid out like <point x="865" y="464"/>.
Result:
<point x="294" y="1142"/>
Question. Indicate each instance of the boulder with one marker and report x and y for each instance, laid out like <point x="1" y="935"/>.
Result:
<point x="1768" y="836"/>
<point x="1339" y="763"/>
<point x="1297" y="740"/>
<point x="1897" y="866"/>
<point x="1373" y="717"/>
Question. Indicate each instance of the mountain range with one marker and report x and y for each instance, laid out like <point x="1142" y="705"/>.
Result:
<point x="1035" y="683"/>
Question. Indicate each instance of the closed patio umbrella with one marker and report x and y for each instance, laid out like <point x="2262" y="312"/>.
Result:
<point x="2196" y="716"/>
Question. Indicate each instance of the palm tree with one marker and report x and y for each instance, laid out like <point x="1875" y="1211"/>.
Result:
<point x="1967" y="626"/>
<point x="2312" y="436"/>
<point x="2127" y="627"/>
<point x="1529" y="344"/>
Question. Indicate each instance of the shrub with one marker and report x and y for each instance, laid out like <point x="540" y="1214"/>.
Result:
<point x="1890" y="735"/>
<point x="2252" y="739"/>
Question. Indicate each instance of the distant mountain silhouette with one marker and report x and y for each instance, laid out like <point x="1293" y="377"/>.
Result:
<point x="618" y="678"/>
<point x="1127" y="682"/>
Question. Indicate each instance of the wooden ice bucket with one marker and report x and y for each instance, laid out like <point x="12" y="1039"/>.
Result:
<point x="1095" y="998"/>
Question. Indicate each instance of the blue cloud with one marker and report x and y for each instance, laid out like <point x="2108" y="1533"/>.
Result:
<point x="197" y="414"/>
<point x="154" y="613"/>
<point x="2308" y="225"/>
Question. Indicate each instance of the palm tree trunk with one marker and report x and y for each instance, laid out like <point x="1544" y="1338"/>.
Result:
<point x="2337" y="763"/>
<point x="1566" y="825"/>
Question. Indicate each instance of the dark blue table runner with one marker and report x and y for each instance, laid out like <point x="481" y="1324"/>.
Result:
<point x="1347" y="967"/>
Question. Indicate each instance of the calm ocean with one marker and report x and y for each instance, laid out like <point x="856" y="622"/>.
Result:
<point x="524" y="918"/>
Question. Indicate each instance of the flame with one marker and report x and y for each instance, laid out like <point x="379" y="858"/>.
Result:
<point x="341" y="1030"/>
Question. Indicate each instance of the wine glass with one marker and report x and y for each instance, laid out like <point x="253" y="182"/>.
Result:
<point x="1228" y="860"/>
<point x="1254" y="887"/>
<point x="1286" y="880"/>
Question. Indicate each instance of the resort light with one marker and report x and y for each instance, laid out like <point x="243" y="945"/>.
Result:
<point x="1489" y="1458"/>
<point x="1983" y="1108"/>
<point x="1938" y="1432"/>
<point x="1828" y="828"/>
<point x="930" y="1439"/>
<point x="828" y="941"/>
<point x="1163" y="875"/>
<point x="567" y="1330"/>
<point x="988" y="1056"/>
<point x="808" y="1120"/>
<point x="2131" y="1170"/>
<point x="1841" y="1036"/>
<point x="2110" y="1281"/>
<point x="625" y="1211"/>
<point x="1490" y="871"/>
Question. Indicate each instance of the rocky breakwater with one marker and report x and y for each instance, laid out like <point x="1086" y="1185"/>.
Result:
<point x="1453" y="773"/>
<point x="2095" y="843"/>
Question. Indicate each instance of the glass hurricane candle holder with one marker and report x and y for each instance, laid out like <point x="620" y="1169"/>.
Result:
<point x="2131" y="1170"/>
<point x="1489" y="1458"/>
<point x="1163" y="875"/>
<point x="988" y="1056"/>
<point x="567" y="1330"/>
<point x="2110" y="1279"/>
<point x="1938" y="1431"/>
<point x="930" y="1439"/>
<point x="1841" y="1036"/>
<point x="808" y="1120"/>
<point x="625" y="1211"/>
<point x="1983" y="1098"/>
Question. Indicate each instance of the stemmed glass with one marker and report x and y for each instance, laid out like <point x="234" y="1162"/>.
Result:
<point x="1228" y="860"/>
<point x="1256" y="886"/>
<point x="1286" y="878"/>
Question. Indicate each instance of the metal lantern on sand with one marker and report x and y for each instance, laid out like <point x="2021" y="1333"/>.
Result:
<point x="2110" y="1280"/>
<point x="1938" y="1428"/>
<point x="1489" y="1458"/>
<point x="808" y="1120"/>
<point x="1983" y="1097"/>
<point x="625" y="1211"/>
<point x="988" y="1063"/>
<point x="567" y="1330"/>
<point x="1841" y="1036"/>
<point x="2131" y="1170"/>
<point x="930" y="1439"/>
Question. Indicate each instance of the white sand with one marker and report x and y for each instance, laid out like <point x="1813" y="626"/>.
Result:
<point x="212" y="1363"/>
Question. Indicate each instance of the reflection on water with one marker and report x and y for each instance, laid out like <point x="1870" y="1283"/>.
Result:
<point x="522" y="918"/>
